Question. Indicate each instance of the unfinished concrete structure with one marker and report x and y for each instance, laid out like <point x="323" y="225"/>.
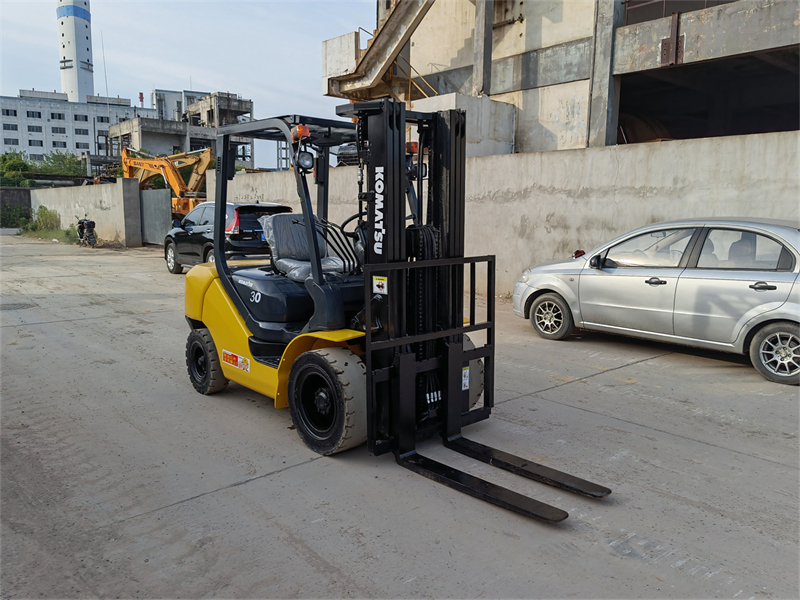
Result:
<point x="586" y="72"/>
<point x="171" y="104"/>
<point x="196" y="129"/>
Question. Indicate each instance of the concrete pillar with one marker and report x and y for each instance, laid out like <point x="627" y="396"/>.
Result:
<point x="604" y="90"/>
<point x="482" y="48"/>
<point x="131" y="213"/>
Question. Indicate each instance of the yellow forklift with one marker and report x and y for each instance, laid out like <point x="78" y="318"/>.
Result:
<point x="360" y="327"/>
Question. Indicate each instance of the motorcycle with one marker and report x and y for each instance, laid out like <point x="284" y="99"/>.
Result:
<point x="86" y="231"/>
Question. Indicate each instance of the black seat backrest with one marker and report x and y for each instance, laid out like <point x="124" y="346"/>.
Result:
<point x="286" y="235"/>
<point x="288" y="241"/>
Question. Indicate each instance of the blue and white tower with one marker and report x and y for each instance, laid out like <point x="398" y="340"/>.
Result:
<point x="75" y="49"/>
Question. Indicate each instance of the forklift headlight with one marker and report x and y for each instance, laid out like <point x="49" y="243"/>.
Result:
<point x="305" y="160"/>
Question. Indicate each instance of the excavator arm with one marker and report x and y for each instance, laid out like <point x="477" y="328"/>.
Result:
<point x="202" y="162"/>
<point x="147" y="168"/>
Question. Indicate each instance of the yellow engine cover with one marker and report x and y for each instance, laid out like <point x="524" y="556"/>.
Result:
<point x="207" y="301"/>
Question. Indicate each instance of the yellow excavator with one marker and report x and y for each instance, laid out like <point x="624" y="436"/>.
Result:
<point x="186" y="196"/>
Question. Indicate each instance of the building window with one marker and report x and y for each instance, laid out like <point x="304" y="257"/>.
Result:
<point x="38" y="143"/>
<point x="59" y="144"/>
<point x="57" y="116"/>
<point x="102" y="132"/>
<point x="34" y="114"/>
<point x="81" y="132"/>
<point x="39" y="157"/>
<point x="102" y="119"/>
<point x="11" y="141"/>
<point x="34" y="129"/>
<point x="9" y="112"/>
<point x="82" y="145"/>
<point x="81" y="118"/>
<point x="9" y="126"/>
<point x="59" y="130"/>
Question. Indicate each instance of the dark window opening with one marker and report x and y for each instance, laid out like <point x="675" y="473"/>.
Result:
<point x="756" y="93"/>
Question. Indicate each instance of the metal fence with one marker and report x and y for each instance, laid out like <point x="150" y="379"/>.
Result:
<point x="156" y="213"/>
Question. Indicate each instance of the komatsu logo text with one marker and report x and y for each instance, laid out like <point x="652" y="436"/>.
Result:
<point x="377" y="245"/>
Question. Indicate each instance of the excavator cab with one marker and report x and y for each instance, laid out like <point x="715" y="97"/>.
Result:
<point x="362" y="328"/>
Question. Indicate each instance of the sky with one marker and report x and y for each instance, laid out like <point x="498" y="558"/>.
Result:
<point x="266" y="51"/>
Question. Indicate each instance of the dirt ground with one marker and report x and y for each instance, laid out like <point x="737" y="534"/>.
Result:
<point x="119" y="480"/>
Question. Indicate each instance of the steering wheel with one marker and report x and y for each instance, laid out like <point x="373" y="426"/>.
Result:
<point x="346" y="222"/>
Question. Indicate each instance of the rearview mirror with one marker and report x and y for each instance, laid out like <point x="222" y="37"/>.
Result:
<point x="176" y="223"/>
<point x="594" y="262"/>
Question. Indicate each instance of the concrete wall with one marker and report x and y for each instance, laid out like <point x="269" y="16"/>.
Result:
<point x="540" y="64"/>
<point x="16" y="197"/>
<point x="550" y="118"/>
<point x="114" y="207"/>
<point x="536" y="208"/>
<point x="718" y="32"/>
<point x="533" y="208"/>
<point x="444" y="38"/>
<point x="490" y="124"/>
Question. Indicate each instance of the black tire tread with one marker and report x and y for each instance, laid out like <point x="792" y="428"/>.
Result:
<point x="216" y="381"/>
<point x="351" y="377"/>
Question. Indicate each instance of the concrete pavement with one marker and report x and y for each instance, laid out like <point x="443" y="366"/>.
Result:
<point x="118" y="479"/>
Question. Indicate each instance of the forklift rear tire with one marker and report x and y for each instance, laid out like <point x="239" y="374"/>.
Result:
<point x="328" y="399"/>
<point x="202" y="362"/>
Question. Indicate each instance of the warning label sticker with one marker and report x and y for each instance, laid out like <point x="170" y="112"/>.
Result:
<point x="464" y="379"/>
<point x="234" y="360"/>
<point x="380" y="285"/>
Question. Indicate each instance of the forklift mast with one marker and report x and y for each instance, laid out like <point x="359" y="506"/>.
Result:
<point x="417" y="363"/>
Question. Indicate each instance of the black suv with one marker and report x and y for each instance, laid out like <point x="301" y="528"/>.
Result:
<point x="191" y="241"/>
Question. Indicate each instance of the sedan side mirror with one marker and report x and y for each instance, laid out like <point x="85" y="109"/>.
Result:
<point x="177" y="223"/>
<point x="594" y="262"/>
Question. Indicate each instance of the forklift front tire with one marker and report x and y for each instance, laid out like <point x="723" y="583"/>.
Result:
<point x="328" y="399"/>
<point x="202" y="362"/>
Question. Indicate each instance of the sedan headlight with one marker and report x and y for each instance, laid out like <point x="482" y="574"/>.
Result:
<point x="525" y="277"/>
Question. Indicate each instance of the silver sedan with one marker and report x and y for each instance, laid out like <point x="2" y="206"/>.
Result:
<point x="721" y="284"/>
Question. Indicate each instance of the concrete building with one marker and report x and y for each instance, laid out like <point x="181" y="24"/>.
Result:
<point x="75" y="41"/>
<point x="583" y="73"/>
<point x="195" y="129"/>
<point x="42" y="122"/>
<point x="171" y="105"/>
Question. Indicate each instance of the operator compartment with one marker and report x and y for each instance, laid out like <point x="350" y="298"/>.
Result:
<point x="274" y="298"/>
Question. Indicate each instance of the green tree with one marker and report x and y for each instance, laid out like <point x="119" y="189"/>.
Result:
<point x="12" y="163"/>
<point x="61" y="163"/>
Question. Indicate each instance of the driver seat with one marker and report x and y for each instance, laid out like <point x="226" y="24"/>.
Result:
<point x="286" y="235"/>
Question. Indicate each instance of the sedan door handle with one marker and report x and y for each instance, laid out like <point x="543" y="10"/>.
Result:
<point x="655" y="281"/>
<point x="763" y="286"/>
